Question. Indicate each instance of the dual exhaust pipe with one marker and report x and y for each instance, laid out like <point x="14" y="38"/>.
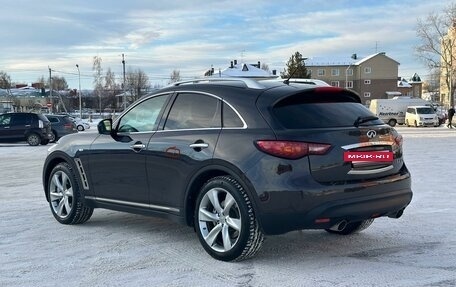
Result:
<point x="342" y="224"/>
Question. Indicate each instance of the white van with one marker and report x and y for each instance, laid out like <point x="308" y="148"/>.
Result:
<point x="392" y="111"/>
<point x="421" y="116"/>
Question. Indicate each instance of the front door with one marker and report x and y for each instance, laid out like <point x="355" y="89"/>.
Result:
<point x="118" y="164"/>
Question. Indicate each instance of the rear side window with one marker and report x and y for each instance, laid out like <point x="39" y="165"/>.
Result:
<point x="42" y="117"/>
<point x="303" y="111"/>
<point x="230" y="118"/>
<point x="194" y="111"/>
<point x="53" y="120"/>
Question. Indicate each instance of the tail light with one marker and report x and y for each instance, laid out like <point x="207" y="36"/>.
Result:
<point x="40" y="124"/>
<point x="291" y="149"/>
<point x="68" y="126"/>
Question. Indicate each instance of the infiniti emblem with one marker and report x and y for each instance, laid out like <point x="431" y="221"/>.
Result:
<point x="371" y="134"/>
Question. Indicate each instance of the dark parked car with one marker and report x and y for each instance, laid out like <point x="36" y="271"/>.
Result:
<point x="236" y="159"/>
<point x="30" y="127"/>
<point x="61" y="125"/>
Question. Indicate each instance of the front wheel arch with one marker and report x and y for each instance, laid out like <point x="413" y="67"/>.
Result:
<point x="52" y="161"/>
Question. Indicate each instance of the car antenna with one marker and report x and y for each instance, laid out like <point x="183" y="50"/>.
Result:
<point x="287" y="81"/>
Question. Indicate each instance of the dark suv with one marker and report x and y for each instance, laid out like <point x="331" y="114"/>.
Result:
<point x="236" y="159"/>
<point x="61" y="125"/>
<point x="30" y="127"/>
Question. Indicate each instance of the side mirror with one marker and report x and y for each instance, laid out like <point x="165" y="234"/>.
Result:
<point x="105" y="127"/>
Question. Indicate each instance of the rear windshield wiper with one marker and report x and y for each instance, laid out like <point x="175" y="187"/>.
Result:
<point x="361" y="120"/>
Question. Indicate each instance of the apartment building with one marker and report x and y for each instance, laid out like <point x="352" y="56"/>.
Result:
<point x="447" y="68"/>
<point x="372" y="77"/>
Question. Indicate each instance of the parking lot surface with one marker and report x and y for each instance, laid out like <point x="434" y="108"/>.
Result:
<point x="119" y="249"/>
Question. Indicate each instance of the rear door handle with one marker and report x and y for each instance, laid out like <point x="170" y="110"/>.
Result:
<point x="199" y="145"/>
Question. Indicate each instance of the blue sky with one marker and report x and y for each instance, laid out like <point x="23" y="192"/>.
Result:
<point x="190" y="36"/>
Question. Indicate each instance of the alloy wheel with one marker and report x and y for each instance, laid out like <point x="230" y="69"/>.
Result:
<point x="61" y="194"/>
<point x="219" y="219"/>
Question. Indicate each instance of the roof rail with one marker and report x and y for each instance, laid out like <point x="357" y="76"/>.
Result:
<point x="314" y="82"/>
<point x="248" y="83"/>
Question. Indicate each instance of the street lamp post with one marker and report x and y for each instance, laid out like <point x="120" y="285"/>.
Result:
<point x="79" y="92"/>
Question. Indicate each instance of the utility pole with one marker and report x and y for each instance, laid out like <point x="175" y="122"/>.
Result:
<point x="124" y="104"/>
<point x="79" y="93"/>
<point x="50" y="88"/>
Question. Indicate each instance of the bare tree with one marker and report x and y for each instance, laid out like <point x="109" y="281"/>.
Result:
<point x="59" y="83"/>
<point x="137" y="82"/>
<point x="5" y="81"/>
<point x="175" y="76"/>
<point x="97" y="79"/>
<point x="437" y="33"/>
<point x="265" y="67"/>
<point x="111" y="89"/>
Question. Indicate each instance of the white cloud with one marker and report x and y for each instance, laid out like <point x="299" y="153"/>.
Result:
<point x="193" y="35"/>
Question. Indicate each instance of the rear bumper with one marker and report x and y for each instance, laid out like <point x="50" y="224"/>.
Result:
<point x="286" y="211"/>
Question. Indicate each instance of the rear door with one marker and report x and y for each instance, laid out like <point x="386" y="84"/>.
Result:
<point x="20" y="123"/>
<point x="332" y="117"/>
<point x="184" y="145"/>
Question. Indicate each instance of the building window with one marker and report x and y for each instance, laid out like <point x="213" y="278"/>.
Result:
<point x="349" y="72"/>
<point x="367" y="95"/>
<point x="367" y="82"/>
<point x="321" y="72"/>
<point x="335" y="72"/>
<point x="349" y="84"/>
<point x="367" y="70"/>
<point x="335" y="83"/>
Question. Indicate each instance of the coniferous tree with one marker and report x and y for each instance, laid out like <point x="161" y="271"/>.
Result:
<point x="295" y="67"/>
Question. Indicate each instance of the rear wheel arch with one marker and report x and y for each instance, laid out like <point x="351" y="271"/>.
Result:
<point x="203" y="176"/>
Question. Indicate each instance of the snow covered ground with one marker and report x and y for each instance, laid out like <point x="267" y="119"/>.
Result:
<point x="119" y="249"/>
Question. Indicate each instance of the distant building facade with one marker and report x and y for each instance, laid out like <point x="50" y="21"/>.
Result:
<point x="411" y="88"/>
<point x="447" y="72"/>
<point x="372" y="77"/>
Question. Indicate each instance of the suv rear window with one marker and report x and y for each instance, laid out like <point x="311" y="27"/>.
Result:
<point x="303" y="111"/>
<point x="42" y="117"/>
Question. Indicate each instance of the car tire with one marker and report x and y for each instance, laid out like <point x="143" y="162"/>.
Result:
<point x="33" y="139"/>
<point x="392" y="122"/>
<point x="53" y="137"/>
<point x="352" y="227"/>
<point x="225" y="221"/>
<point x="65" y="197"/>
<point x="44" y="142"/>
<point x="80" y="128"/>
<point x="416" y="124"/>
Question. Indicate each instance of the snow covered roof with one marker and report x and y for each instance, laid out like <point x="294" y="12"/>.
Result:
<point x="403" y="84"/>
<point x="341" y="60"/>
<point x="243" y="70"/>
